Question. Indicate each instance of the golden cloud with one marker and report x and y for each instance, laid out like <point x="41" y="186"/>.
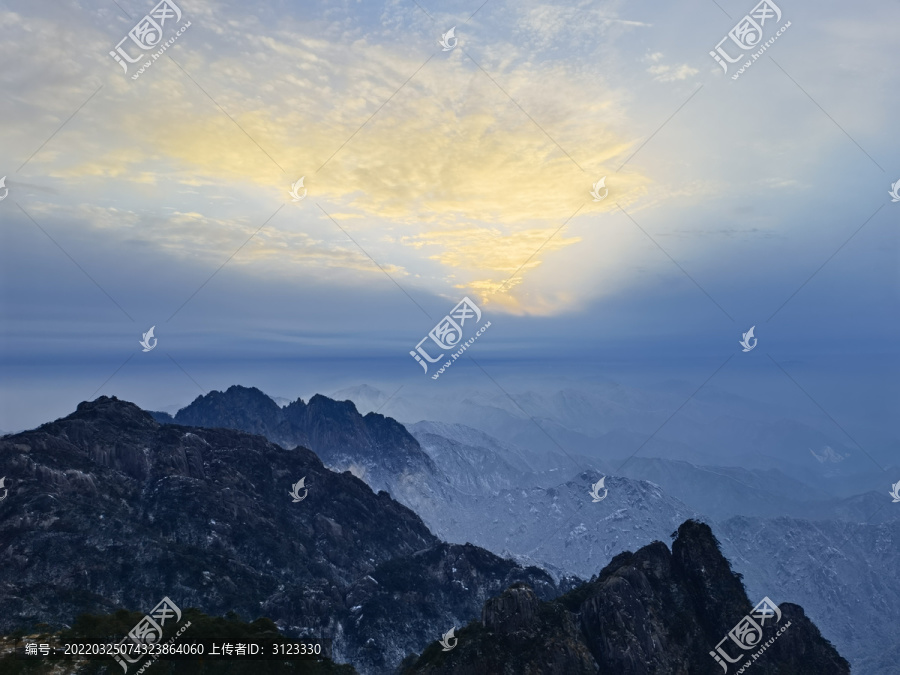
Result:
<point x="450" y="166"/>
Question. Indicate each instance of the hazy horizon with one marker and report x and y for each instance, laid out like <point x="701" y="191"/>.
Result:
<point x="434" y="173"/>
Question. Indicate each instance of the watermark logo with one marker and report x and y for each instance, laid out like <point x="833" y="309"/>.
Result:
<point x="449" y="40"/>
<point x="448" y="334"/>
<point x="295" y="490"/>
<point x="600" y="185"/>
<point x="147" y="631"/>
<point x="894" y="193"/>
<point x="6" y="491"/>
<point x="147" y="34"/>
<point x="145" y="342"/>
<point x="446" y="638"/>
<point x="748" y="633"/>
<point x="295" y="187"/>
<point x="745" y="342"/>
<point x="6" y="189"/>
<point x="895" y="491"/>
<point x="748" y="34"/>
<point x="595" y="490"/>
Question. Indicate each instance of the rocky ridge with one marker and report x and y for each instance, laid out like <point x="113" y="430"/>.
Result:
<point x="109" y="509"/>
<point x="654" y="611"/>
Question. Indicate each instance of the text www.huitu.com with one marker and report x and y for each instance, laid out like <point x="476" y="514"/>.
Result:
<point x="765" y="46"/>
<point x="766" y="645"/>
<point x="459" y="352"/>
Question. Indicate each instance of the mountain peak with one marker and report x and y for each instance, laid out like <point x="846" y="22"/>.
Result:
<point x="374" y="447"/>
<point x="345" y="406"/>
<point x="239" y="388"/>
<point x="103" y="404"/>
<point x="108" y="410"/>
<point x="651" y="611"/>
<point x="238" y="407"/>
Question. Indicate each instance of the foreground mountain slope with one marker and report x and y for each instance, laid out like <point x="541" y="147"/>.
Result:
<point x="653" y="611"/>
<point x="109" y="509"/>
<point x="394" y="610"/>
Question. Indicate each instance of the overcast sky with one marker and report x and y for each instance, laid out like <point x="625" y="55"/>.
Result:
<point x="432" y="175"/>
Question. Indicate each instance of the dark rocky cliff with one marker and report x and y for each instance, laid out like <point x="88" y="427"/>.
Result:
<point x="374" y="447"/>
<point x="108" y="509"/>
<point x="650" y="612"/>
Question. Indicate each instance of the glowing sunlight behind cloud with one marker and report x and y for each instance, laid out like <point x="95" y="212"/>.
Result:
<point x="450" y="165"/>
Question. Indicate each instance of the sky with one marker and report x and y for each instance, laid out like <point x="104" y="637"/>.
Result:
<point x="433" y="172"/>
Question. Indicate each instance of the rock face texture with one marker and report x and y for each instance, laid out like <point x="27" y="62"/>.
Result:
<point x="373" y="447"/>
<point x="108" y="509"/>
<point x="650" y="612"/>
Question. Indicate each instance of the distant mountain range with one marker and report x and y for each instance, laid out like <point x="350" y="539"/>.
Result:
<point x="466" y="488"/>
<point x="507" y="499"/>
<point x="608" y="421"/>
<point x="108" y="509"/>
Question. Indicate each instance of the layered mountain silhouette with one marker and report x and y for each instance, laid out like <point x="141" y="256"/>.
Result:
<point x="655" y="611"/>
<point x="108" y="509"/>
<point x="503" y="497"/>
<point x="373" y="447"/>
<point x="464" y="486"/>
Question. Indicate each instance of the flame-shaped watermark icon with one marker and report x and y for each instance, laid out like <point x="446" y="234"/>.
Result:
<point x="600" y="185"/>
<point x="446" y="638"/>
<point x="745" y="341"/>
<point x="145" y="341"/>
<point x="894" y="193"/>
<point x="6" y="189"/>
<point x="449" y="40"/>
<point x="6" y="492"/>
<point x="295" y="490"/>
<point x="594" y="492"/>
<point x="895" y="492"/>
<point x="295" y="187"/>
